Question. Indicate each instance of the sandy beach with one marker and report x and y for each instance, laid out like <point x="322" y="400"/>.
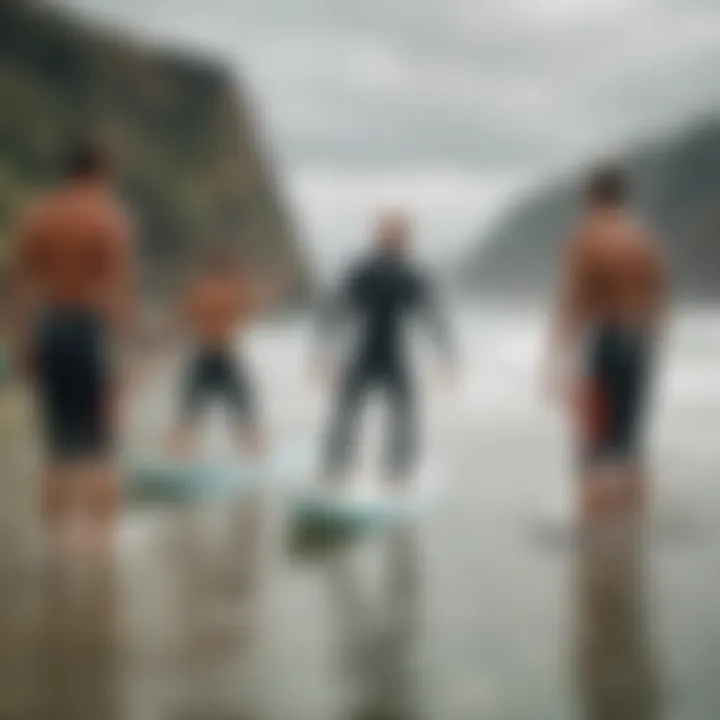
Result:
<point x="482" y="610"/>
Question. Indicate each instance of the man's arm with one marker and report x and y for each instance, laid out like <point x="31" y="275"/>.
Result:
<point x="661" y="288"/>
<point x="437" y="322"/>
<point x="567" y="315"/>
<point x="23" y="296"/>
<point x="332" y="317"/>
<point x="123" y="300"/>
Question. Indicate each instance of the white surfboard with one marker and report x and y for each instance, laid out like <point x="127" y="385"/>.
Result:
<point x="165" y="480"/>
<point x="366" y="499"/>
<point x="213" y="476"/>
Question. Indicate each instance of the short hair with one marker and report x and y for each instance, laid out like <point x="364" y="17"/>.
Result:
<point x="87" y="157"/>
<point x="607" y="185"/>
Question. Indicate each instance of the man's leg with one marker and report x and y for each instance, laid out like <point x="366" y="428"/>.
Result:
<point x="95" y="443"/>
<point x="633" y="493"/>
<point x="80" y="492"/>
<point x="59" y="489"/>
<point x="236" y="387"/>
<point x="599" y="484"/>
<point x="402" y="437"/>
<point x="182" y="438"/>
<point x="61" y="482"/>
<point x="101" y="483"/>
<point x="635" y="499"/>
<point x="627" y="489"/>
<point x="614" y="490"/>
<point x="604" y="472"/>
<point x="341" y="435"/>
<point x="57" y="486"/>
<point x="75" y="387"/>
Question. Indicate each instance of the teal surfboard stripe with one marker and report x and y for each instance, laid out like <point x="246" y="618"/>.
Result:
<point x="315" y="505"/>
<point x="197" y="481"/>
<point x="156" y="479"/>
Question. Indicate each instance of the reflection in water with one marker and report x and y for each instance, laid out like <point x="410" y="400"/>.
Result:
<point x="618" y="679"/>
<point x="59" y="642"/>
<point x="219" y="593"/>
<point x="379" y="635"/>
<point x="79" y="651"/>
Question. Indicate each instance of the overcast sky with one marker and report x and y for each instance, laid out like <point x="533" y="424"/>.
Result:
<point x="445" y="106"/>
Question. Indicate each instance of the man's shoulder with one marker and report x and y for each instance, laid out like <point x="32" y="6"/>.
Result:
<point x="642" y="231"/>
<point x="42" y="202"/>
<point x="70" y="199"/>
<point x="584" y="232"/>
<point x="109" y="210"/>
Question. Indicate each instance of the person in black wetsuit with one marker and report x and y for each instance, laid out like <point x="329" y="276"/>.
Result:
<point x="383" y="293"/>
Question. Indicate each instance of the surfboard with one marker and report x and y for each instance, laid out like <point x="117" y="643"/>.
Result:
<point x="365" y="501"/>
<point x="161" y="479"/>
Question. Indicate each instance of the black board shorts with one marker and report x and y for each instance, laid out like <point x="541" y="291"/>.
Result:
<point x="74" y="383"/>
<point x="613" y="400"/>
<point x="217" y="374"/>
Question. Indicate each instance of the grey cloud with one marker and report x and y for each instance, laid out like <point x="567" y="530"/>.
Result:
<point x="362" y="89"/>
<point x="478" y="84"/>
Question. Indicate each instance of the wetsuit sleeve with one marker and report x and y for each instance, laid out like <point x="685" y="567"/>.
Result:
<point x="336" y="308"/>
<point x="435" y="318"/>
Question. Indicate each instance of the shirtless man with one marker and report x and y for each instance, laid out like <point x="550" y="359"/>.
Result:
<point x="611" y="306"/>
<point x="73" y="297"/>
<point x="218" y="302"/>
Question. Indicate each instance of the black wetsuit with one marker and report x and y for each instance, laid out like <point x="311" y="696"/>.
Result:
<point x="74" y="377"/>
<point x="382" y="295"/>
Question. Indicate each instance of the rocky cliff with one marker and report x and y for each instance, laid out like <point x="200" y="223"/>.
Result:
<point x="677" y="188"/>
<point x="192" y="164"/>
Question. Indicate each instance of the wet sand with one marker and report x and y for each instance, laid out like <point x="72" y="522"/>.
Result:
<point x="221" y="612"/>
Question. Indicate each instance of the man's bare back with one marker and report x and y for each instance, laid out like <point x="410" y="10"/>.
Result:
<point x="75" y="251"/>
<point x="616" y="273"/>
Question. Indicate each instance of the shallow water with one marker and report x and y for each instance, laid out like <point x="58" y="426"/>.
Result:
<point x="230" y="612"/>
